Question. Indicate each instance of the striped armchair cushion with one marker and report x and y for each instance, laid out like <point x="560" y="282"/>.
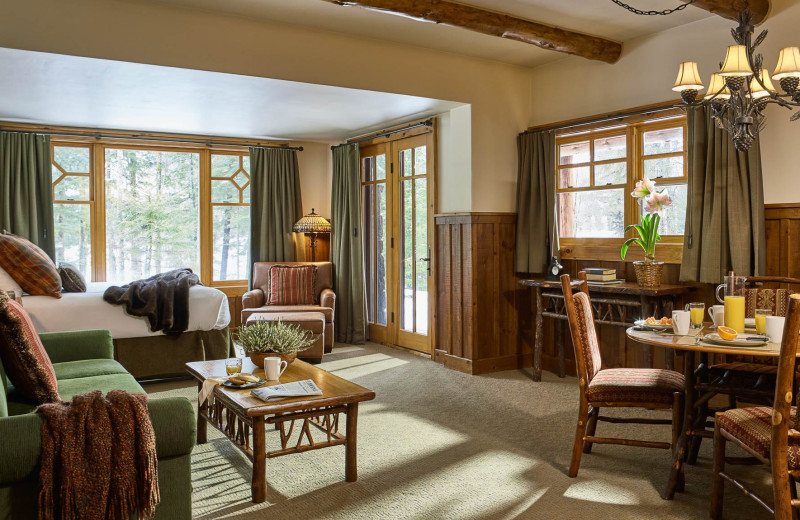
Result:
<point x="752" y="426"/>
<point x="292" y="285"/>
<point x="634" y="385"/>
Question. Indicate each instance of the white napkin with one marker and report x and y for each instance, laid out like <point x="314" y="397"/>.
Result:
<point x="208" y="387"/>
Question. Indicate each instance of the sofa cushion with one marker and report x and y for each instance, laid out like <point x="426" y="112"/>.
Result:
<point x="87" y="368"/>
<point x="327" y="311"/>
<point x="71" y="278"/>
<point x="292" y="285"/>
<point x="24" y="358"/>
<point x="29" y="266"/>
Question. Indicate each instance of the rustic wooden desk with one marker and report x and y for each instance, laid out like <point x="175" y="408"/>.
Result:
<point x="618" y="304"/>
<point x="244" y="419"/>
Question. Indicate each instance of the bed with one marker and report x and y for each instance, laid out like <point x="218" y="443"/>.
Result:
<point x="145" y="354"/>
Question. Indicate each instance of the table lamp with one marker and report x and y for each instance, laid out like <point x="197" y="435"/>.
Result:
<point x="312" y="224"/>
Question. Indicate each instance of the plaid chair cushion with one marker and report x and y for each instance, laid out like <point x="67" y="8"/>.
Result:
<point x="292" y="285"/>
<point x="634" y="385"/>
<point x="26" y="362"/>
<point x="29" y="266"/>
<point x="589" y="346"/>
<point x="776" y="300"/>
<point x="752" y="426"/>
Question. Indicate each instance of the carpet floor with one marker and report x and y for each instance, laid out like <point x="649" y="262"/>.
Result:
<point x="438" y="444"/>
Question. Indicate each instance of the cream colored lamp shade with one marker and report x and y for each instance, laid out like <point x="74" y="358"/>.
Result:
<point x="756" y="90"/>
<point x="788" y="64"/>
<point x="736" y="63"/>
<point x="717" y="84"/>
<point x="688" y="77"/>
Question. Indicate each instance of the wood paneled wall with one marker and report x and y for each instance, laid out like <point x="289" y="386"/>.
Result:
<point x="479" y="302"/>
<point x="783" y="239"/>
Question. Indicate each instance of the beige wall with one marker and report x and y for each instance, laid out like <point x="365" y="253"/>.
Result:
<point x="572" y="88"/>
<point x="499" y="94"/>
<point x="314" y="163"/>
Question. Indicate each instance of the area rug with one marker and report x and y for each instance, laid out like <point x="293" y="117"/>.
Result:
<point x="438" y="444"/>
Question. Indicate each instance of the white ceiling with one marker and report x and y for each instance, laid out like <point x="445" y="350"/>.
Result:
<point x="63" y="90"/>
<point x="597" y="17"/>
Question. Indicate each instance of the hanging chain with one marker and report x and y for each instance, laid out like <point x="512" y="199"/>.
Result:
<point x="653" y="13"/>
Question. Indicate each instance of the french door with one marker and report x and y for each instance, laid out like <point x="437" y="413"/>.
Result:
<point x="398" y="206"/>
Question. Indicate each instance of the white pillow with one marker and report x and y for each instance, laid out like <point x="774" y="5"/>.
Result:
<point x="8" y="284"/>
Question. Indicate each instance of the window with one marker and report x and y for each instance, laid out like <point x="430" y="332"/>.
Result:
<point x="128" y="212"/>
<point x="597" y="168"/>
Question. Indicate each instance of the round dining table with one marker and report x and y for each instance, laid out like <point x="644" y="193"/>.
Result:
<point x="689" y="346"/>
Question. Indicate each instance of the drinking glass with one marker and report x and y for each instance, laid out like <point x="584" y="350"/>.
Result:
<point x="761" y="320"/>
<point x="697" y="312"/>
<point x="233" y="366"/>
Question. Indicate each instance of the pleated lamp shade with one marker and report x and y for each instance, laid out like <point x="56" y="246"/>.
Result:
<point x="312" y="223"/>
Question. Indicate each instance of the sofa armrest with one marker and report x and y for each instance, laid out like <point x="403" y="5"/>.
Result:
<point x="327" y="298"/>
<point x="78" y="345"/>
<point x="253" y="299"/>
<point x="21" y="437"/>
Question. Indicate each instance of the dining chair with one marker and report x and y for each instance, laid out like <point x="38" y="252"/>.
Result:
<point x="614" y="387"/>
<point x="769" y="434"/>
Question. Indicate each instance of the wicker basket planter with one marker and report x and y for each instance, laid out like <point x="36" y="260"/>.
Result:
<point x="648" y="274"/>
<point x="258" y="357"/>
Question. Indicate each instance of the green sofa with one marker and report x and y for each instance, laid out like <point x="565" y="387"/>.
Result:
<point x="84" y="361"/>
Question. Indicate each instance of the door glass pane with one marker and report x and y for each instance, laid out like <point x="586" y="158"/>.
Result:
<point x="152" y="212"/>
<point x="420" y="160"/>
<point x="591" y="214"/>
<point x="368" y="209"/>
<point x="407" y="254"/>
<point x="380" y="167"/>
<point x="663" y="167"/>
<point x="231" y="242"/>
<point x="421" y="251"/>
<point x="381" y="311"/>
<point x="574" y="153"/>
<point x="368" y="168"/>
<point x="73" y="228"/>
<point x="610" y="148"/>
<point x="72" y="160"/>
<point x="663" y="141"/>
<point x="406" y="163"/>
<point x="614" y="173"/>
<point x="574" y="177"/>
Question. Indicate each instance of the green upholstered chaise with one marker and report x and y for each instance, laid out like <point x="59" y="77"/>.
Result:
<point x="84" y="361"/>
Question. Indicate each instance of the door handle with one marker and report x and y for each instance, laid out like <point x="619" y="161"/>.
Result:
<point x="427" y="259"/>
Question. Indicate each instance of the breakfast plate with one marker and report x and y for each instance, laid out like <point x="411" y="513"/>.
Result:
<point x="656" y="327"/>
<point x="739" y="341"/>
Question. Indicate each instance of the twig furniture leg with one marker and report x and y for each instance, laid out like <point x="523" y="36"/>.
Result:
<point x="647" y="350"/>
<point x="580" y="433"/>
<point x="259" y="484"/>
<point x="559" y="338"/>
<point x="202" y="423"/>
<point x="591" y="427"/>
<point x="537" y="340"/>
<point x="351" y="456"/>
<point x="676" y="477"/>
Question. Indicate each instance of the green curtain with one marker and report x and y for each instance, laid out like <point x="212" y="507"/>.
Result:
<point x="725" y="206"/>
<point x="275" y="204"/>
<point x="537" y="235"/>
<point x="347" y="246"/>
<point x="26" y="188"/>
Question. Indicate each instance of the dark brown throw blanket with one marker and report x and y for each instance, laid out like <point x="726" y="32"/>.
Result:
<point x="98" y="458"/>
<point x="163" y="299"/>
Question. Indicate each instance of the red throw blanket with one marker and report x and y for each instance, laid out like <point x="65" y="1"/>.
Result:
<point x="98" y="458"/>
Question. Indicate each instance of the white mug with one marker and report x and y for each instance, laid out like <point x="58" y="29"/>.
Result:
<point x="680" y="322"/>
<point x="774" y="328"/>
<point x="717" y="313"/>
<point x="274" y="367"/>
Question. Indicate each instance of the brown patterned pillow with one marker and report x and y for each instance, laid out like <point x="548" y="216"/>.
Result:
<point x="24" y="358"/>
<point x="292" y="285"/>
<point x="71" y="278"/>
<point x="29" y="266"/>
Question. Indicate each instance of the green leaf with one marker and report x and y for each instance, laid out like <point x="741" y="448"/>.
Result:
<point x="624" y="250"/>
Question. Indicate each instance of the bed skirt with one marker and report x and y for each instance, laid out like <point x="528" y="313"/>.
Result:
<point x="164" y="357"/>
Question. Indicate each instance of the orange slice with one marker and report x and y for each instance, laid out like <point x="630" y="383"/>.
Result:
<point x="727" y="333"/>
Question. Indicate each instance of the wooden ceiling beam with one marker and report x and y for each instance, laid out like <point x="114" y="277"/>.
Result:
<point x="730" y="8"/>
<point x="496" y="24"/>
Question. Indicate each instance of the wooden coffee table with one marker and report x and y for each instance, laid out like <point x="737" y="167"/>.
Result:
<point x="244" y="419"/>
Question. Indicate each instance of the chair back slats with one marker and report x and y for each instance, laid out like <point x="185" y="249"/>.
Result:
<point x="781" y="414"/>
<point x="581" y="326"/>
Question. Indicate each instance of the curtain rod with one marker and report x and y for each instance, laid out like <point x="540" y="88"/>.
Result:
<point x="209" y="142"/>
<point x="610" y="117"/>
<point x="428" y="122"/>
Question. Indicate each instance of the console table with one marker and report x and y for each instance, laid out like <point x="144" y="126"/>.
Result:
<point x="616" y="304"/>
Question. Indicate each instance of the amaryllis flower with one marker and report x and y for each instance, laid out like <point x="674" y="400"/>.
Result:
<point x="657" y="201"/>
<point x="644" y="188"/>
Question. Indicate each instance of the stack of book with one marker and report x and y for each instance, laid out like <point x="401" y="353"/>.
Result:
<point x="602" y="276"/>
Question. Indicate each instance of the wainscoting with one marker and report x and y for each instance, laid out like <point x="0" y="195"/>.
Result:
<point x="783" y="239"/>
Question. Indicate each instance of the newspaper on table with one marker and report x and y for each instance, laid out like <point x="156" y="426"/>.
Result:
<point x="295" y="389"/>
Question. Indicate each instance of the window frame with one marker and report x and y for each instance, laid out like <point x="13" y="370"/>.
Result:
<point x="670" y="248"/>
<point x="98" y="149"/>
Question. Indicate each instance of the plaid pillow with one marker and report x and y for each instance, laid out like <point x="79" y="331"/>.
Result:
<point x="26" y="362"/>
<point x="292" y="285"/>
<point x="71" y="278"/>
<point x="29" y="266"/>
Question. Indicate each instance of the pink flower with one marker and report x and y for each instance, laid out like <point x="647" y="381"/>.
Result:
<point x="657" y="201"/>
<point x="644" y="188"/>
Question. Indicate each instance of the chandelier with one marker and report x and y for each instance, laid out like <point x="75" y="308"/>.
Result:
<point x="742" y="89"/>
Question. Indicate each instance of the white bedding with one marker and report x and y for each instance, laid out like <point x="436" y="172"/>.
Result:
<point x="208" y="310"/>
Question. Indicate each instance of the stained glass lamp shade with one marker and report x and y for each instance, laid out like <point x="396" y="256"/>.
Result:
<point x="312" y="224"/>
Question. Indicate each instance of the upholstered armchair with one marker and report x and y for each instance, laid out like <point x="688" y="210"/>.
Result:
<point x="255" y="301"/>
